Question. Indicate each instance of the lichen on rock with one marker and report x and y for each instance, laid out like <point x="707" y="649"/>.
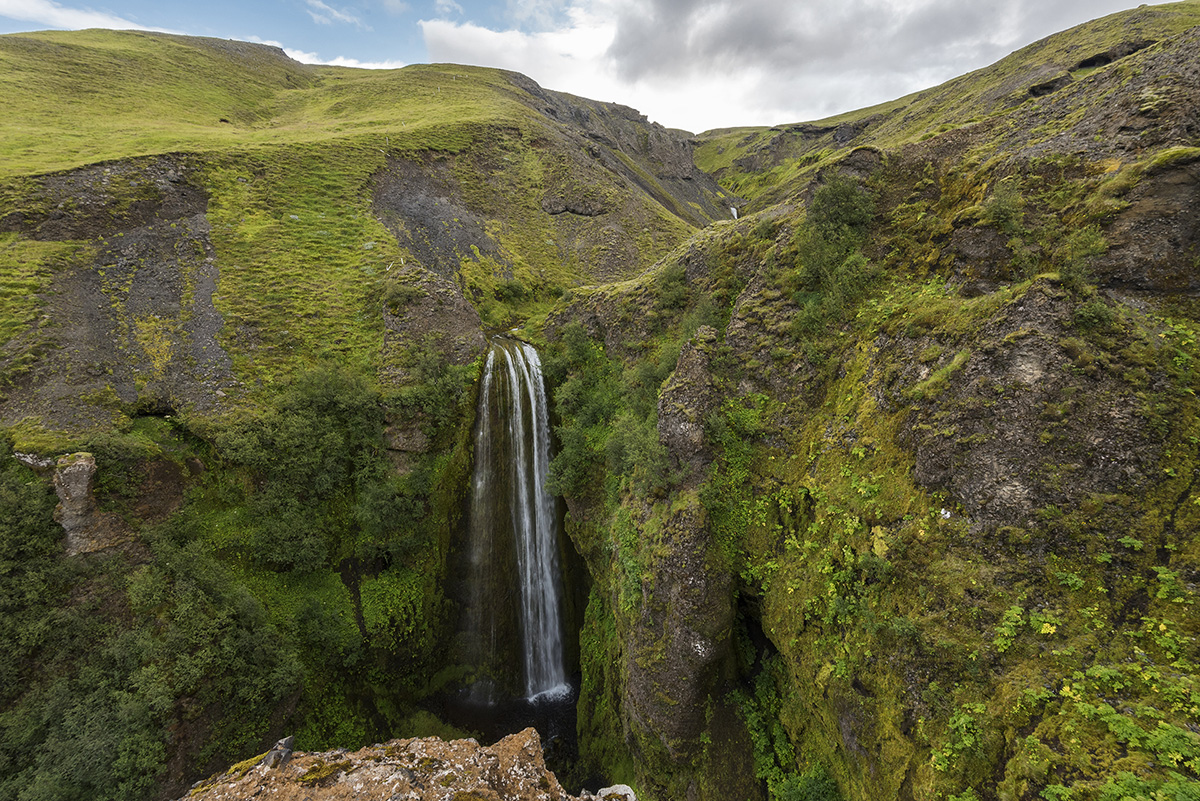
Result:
<point x="429" y="769"/>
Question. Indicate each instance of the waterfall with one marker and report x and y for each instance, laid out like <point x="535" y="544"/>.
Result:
<point x="513" y="537"/>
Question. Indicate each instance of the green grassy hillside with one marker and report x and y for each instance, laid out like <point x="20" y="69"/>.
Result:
<point x="81" y="97"/>
<point x="257" y="292"/>
<point x="326" y="195"/>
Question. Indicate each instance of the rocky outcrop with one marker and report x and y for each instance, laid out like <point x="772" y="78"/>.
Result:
<point x="686" y="398"/>
<point x="1015" y="401"/>
<point x="462" y="770"/>
<point x="420" y="201"/>
<point x="422" y="308"/>
<point x="1154" y="243"/>
<point x="680" y="641"/>
<point x="131" y="319"/>
<point x="655" y="159"/>
<point x="87" y="528"/>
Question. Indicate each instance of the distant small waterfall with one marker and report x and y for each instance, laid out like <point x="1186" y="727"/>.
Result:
<point x="513" y="537"/>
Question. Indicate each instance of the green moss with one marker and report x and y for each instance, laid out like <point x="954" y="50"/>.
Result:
<point x="31" y="436"/>
<point x="394" y="609"/>
<point x="321" y="770"/>
<point x="936" y="383"/>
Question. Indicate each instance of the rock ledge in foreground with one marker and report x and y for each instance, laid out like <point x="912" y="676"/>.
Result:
<point x="427" y="769"/>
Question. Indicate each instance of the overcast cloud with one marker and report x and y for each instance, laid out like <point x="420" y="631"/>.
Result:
<point x="700" y="64"/>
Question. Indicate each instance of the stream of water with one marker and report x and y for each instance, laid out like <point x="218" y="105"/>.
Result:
<point x="512" y="621"/>
<point x="532" y="515"/>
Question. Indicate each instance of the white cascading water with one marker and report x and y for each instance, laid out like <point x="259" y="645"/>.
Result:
<point x="520" y="402"/>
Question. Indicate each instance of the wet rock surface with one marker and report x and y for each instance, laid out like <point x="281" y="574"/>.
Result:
<point x="687" y="397"/>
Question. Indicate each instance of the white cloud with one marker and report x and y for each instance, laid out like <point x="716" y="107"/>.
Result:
<point x="444" y="8"/>
<point x="338" y="61"/>
<point x="325" y="14"/>
<point x="53" y="15"/>
<point x="575" y="59"/>
<point x="543" y="14"/>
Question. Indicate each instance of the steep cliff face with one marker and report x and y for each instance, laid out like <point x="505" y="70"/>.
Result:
<point x="940" y="464"/>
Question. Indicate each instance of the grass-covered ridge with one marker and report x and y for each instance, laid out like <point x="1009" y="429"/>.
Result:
<point x="81" y="97"/>
<point x="988" y="98"/>
<point x="244" y="215"/>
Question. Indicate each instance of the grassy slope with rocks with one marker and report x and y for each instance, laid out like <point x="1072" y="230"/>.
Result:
<point x="258" y="293"/>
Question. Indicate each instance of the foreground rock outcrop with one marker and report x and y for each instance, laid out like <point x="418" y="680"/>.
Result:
<point x="428" y="768"/>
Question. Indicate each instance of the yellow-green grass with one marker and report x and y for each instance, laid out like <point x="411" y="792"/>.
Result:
<point x="25" y="269"/>
<point x="300" y="256"/>
<point x="74" y="98"/>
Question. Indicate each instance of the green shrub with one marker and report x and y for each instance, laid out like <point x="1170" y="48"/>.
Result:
<point x="1094" y="315"/>
<point x="812" y="785"/>
<point x="587" y="398"/>
<point x="1004" y="209"/>
<point x="842" y="209"/>
<point x="321" y="486"/>
<point x="672" y="289"/>
<point x="832" y="274"/>
<point x="1074" y="255"/>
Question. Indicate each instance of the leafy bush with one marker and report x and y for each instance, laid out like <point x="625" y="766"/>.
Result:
<point x="1094" y="315"/>
<point x="511" y="291"/>
<point x="842" y="210"/>
<point x="322" y="487"/>
<point x="587" y="399"/>
<point x="1073" y="256"/>
<point x="672" y="289"/>
<point x="831" y="271"/>
<point x="1004" y="209"/>
<point x="812" y="785"/>
<point x="97" y="660"/>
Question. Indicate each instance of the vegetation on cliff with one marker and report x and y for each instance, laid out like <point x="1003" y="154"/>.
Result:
<point x="951" y="393"/>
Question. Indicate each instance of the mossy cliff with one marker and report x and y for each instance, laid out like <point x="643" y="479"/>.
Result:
<point x="893" y="487"/>
<point x="884" y="490"/>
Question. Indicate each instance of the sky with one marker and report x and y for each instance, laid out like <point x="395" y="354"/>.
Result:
<point x="690" y="64"/>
